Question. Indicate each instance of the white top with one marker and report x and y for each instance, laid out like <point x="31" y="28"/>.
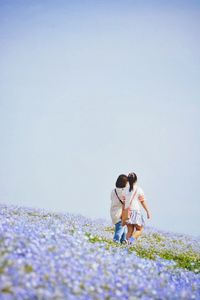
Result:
<point x="138" y="198"/>
<point x="116" y="205"/>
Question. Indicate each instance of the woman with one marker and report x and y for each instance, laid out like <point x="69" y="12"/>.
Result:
<point x="117" y="202"/>
<point x="134" y="198"/>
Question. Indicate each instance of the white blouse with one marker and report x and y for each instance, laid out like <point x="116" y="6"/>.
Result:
<point x="135" y="205"/>
<point x="116" y="205"/>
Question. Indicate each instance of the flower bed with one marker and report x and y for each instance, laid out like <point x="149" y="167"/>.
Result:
<point x="47" y="255"/>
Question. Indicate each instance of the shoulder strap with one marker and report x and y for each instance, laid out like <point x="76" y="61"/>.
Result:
<point x="118" y="197"/>
<point x="133" y="197"/>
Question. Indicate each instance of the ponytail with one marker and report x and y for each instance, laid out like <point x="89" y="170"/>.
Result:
<point x="132" y="178"/>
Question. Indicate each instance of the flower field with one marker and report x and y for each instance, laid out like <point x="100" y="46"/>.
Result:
<point x="48" y="255"/>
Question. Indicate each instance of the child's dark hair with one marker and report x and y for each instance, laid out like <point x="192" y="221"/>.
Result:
<point x="121" y="181"/>
<point x="132" y="178"/>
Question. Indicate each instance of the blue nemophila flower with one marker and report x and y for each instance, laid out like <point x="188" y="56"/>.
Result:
<point x="47" y="255"/>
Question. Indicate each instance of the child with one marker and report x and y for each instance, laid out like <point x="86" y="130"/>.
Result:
<point x="134" y="198"/>
<point x="117" y="202"/>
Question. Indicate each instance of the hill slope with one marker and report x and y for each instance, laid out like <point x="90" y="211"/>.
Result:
<point x="47" y="255"/>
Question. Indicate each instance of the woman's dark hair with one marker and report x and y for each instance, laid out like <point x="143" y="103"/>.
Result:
<point x="121" y="181"/>
<point x="132" y="178"/>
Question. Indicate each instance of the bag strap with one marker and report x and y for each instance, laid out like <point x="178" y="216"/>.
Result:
<point x="119" y="198"/>
<point x="133" y="197"/>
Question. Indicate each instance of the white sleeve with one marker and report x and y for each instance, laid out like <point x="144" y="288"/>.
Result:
<point x="140" y="192"/>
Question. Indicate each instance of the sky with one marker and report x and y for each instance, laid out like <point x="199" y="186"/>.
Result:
<point x="90" y="90"/>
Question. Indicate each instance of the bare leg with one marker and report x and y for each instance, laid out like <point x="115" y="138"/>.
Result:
<point x="130" y="231"/>
<point x="138" y="232"/>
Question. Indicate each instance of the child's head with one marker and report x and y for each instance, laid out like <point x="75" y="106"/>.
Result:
<point x="122" y="181"/>
<point x="132" y="179"/>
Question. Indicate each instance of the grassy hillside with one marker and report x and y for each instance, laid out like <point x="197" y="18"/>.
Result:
<point x="47" y="255"/>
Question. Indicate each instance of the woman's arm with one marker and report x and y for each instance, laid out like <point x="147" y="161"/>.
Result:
<point x="145" y="206"/>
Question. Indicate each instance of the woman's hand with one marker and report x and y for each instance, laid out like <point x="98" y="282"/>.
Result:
<point x="123" y="198"/>
<point x="148" y="215"/>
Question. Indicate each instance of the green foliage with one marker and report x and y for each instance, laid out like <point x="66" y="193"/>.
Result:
<point x="158" y="238"/>
<point x="109" y="229"/>
<point x="6" y="290"/>
<point x="33" y="214"/>
<point x="45" y="216"/>
<point x="142" y="252"/>
<point x="5" y="264"/>
<point x="98" y="239"/>
<point x="72" y="231"/>
<point x="51" y="249"/>
<point x="28" y="268"/>
<point x="189" y="260"/>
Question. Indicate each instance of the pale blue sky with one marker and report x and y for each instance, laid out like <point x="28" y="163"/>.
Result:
<point x="93" y="89"/>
